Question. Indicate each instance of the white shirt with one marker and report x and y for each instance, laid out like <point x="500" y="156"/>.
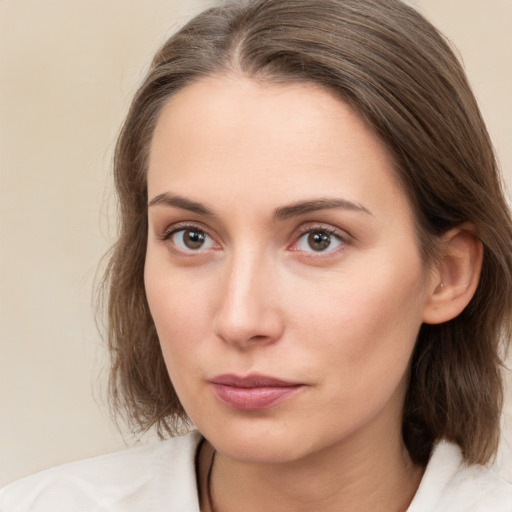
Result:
<point x="161" y="477"/>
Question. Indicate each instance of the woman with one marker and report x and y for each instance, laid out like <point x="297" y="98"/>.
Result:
<point x="313" y="269"/>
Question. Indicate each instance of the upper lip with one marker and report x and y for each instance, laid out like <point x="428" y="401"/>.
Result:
<point x="251" y="381"/>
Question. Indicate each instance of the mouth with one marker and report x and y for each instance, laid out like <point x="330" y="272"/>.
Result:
<point x="254" y="392"/>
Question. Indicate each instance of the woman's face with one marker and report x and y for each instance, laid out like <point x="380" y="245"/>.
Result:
<point x="282" y="269"/>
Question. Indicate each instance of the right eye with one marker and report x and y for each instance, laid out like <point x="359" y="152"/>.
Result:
<point x="191" y="240"/>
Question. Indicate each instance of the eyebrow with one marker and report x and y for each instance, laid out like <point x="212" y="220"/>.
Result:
<point x="181" y="202"/>
<point x="281" y="213"/>
<point x="303" y="207"/>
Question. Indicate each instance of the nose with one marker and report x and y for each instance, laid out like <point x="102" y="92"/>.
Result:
<point x="248" y="312"/>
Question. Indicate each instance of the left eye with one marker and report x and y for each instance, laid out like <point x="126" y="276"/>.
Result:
<point x="318" y="241"/>
<point x="191" y="239"/>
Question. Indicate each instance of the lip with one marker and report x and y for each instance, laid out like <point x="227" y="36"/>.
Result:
<point x="252" y="392"/>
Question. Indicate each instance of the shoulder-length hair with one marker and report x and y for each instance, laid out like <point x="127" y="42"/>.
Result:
<point x="399" y="74"/>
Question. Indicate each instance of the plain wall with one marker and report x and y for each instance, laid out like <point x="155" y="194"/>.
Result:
<point x="67" y="71"/>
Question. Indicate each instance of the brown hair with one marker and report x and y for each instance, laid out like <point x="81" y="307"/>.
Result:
<point x="396" y="70"/>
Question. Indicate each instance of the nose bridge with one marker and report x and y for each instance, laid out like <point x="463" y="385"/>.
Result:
<point x="247" y="311"/>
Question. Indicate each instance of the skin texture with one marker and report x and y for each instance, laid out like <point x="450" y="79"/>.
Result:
<point x="256" y="298"/>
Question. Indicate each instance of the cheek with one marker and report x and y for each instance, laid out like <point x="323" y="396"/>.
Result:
<point x="180" y="310"/>
<point x="178" y="315"/>
<point x="368" y="325"/>
<point x="360" y="341"/>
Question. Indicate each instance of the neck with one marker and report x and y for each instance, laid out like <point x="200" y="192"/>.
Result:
<point x="351" y="476"/>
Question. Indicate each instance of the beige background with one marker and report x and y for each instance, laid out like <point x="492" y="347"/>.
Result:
<point x="67" y="71"/>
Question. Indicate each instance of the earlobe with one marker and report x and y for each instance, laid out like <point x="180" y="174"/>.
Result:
<point x="456" y="276"/>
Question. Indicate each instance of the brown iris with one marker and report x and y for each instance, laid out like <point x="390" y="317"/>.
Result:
<point x="193" y="239"/>
<point x="319" y="241"/>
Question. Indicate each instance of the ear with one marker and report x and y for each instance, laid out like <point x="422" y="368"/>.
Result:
<point x="455" y="275"/>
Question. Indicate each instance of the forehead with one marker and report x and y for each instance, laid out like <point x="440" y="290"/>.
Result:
<point x="234" y="136"/>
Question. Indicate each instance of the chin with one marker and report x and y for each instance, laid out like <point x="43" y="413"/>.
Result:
<point x="262" y="451"/>
<point x="258" y="440"/>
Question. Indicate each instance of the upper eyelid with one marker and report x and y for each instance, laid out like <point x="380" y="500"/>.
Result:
<point x="183" y="225"/>
<point x="323" y="226"/>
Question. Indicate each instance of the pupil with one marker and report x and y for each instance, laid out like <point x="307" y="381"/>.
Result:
<point x="319" y="241"/>
<point x="194" y="239"/>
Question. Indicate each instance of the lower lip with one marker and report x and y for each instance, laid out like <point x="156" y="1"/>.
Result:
<point x="251" y="399"/>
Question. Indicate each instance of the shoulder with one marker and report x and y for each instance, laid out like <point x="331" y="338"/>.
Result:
<point x="450" y="485"/>
<point x="141" y="478"/>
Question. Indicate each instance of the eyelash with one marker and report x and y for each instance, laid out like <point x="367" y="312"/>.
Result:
<point x="328" y="230"/>
<point x="166" y="235"/>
